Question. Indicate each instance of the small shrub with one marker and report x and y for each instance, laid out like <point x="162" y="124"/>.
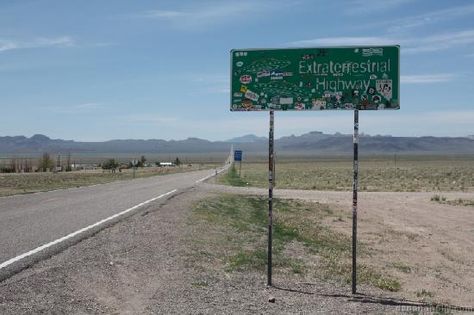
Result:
<point x="424" y="293"/>
<point x="438" y="198"/>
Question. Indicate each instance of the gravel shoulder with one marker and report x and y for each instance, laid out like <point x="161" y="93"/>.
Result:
<point x="144" y="265"/>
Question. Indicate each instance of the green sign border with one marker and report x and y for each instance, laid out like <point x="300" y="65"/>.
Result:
<point x="281" y="86"/>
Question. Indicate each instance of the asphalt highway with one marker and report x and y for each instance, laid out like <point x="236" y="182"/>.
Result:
<point x="30" y="224"/>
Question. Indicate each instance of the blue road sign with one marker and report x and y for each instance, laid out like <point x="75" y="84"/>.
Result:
<point x="238" y="155"/>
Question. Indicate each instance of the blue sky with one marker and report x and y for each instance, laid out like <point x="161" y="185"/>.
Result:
<point x="99" y="70"/>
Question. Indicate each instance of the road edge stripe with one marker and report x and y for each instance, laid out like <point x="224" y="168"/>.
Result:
<point x="73" y="234"/>
<point x="211" y="175"/>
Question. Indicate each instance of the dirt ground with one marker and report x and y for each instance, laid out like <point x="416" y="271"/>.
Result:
<point x="428" y="246"/>
<point x="144" y="264"/>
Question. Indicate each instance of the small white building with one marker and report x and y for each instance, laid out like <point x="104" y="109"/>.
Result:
<point x="167" y="164"/>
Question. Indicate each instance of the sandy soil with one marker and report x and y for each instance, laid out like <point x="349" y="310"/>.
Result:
<point x="428" y="246"/>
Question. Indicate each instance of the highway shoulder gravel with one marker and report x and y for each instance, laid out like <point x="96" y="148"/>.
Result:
<point x="141" y="265"/>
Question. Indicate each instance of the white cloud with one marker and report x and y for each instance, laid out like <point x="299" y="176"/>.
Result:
<point x="431" y="17"/>
<point x="210" y="13"/>
<point x="206" y="78"/>
<point x="345" y="41"/>
<point x="409" y="45"/>
<point x="88" y="106"/>
<point x="356" y="7"/>
<point x="83" y="108"/>
<point x="439" y="42"/>
<point x="426" y="78"/>
<point x="40" y="42"/>
<point x="225" y="90"/>
<point x="211" y="83"/>
<point x="163" y="14"/>
<point x="7" y="45"/>
<point x="205" y="12"/>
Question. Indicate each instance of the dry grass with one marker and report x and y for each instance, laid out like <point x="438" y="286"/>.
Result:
<point x="12" y="184"/>
<point x="454" y="202"/>
<point x="413" y="174"/>
<point x="231" y="234"/>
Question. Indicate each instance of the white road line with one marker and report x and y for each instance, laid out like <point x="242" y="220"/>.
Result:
<point x="209" y="176"/>
<point x="62" y="239"/>
<point x="203" y="179"/>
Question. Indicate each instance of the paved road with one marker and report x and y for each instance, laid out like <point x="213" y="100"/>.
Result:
<point x="30" y="221"/>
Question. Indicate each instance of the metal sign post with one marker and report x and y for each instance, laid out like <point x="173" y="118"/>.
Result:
<point x="354" y="200"/>
<point x="238" y="157"/>
<point x="270" y="198"/>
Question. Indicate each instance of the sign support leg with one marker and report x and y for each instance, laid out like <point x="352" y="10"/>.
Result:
<point x="270" y="199"/>
<point x="355" y="165"/>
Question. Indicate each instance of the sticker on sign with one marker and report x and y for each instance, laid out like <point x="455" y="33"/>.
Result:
<point x="251" y="95"/>
<point x="366" y="78"/>
<point x="246" y="79"/>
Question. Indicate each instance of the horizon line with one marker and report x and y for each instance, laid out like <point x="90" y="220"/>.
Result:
<point x="236" y="137"/>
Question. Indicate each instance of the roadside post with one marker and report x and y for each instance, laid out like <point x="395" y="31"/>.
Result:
<point x="238" y="158"/>
<point x="355" y="166"/>
<point x="270" y="198"/>
<point x="134" y="167"/>
<point x="315" y="79"/>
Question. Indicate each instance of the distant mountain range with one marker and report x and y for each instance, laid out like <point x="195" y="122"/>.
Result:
<point x="312" y="142"/>
<point x="247" y="139"/>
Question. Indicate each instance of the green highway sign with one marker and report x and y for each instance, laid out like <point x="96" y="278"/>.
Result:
<point x="366" y="78"/>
